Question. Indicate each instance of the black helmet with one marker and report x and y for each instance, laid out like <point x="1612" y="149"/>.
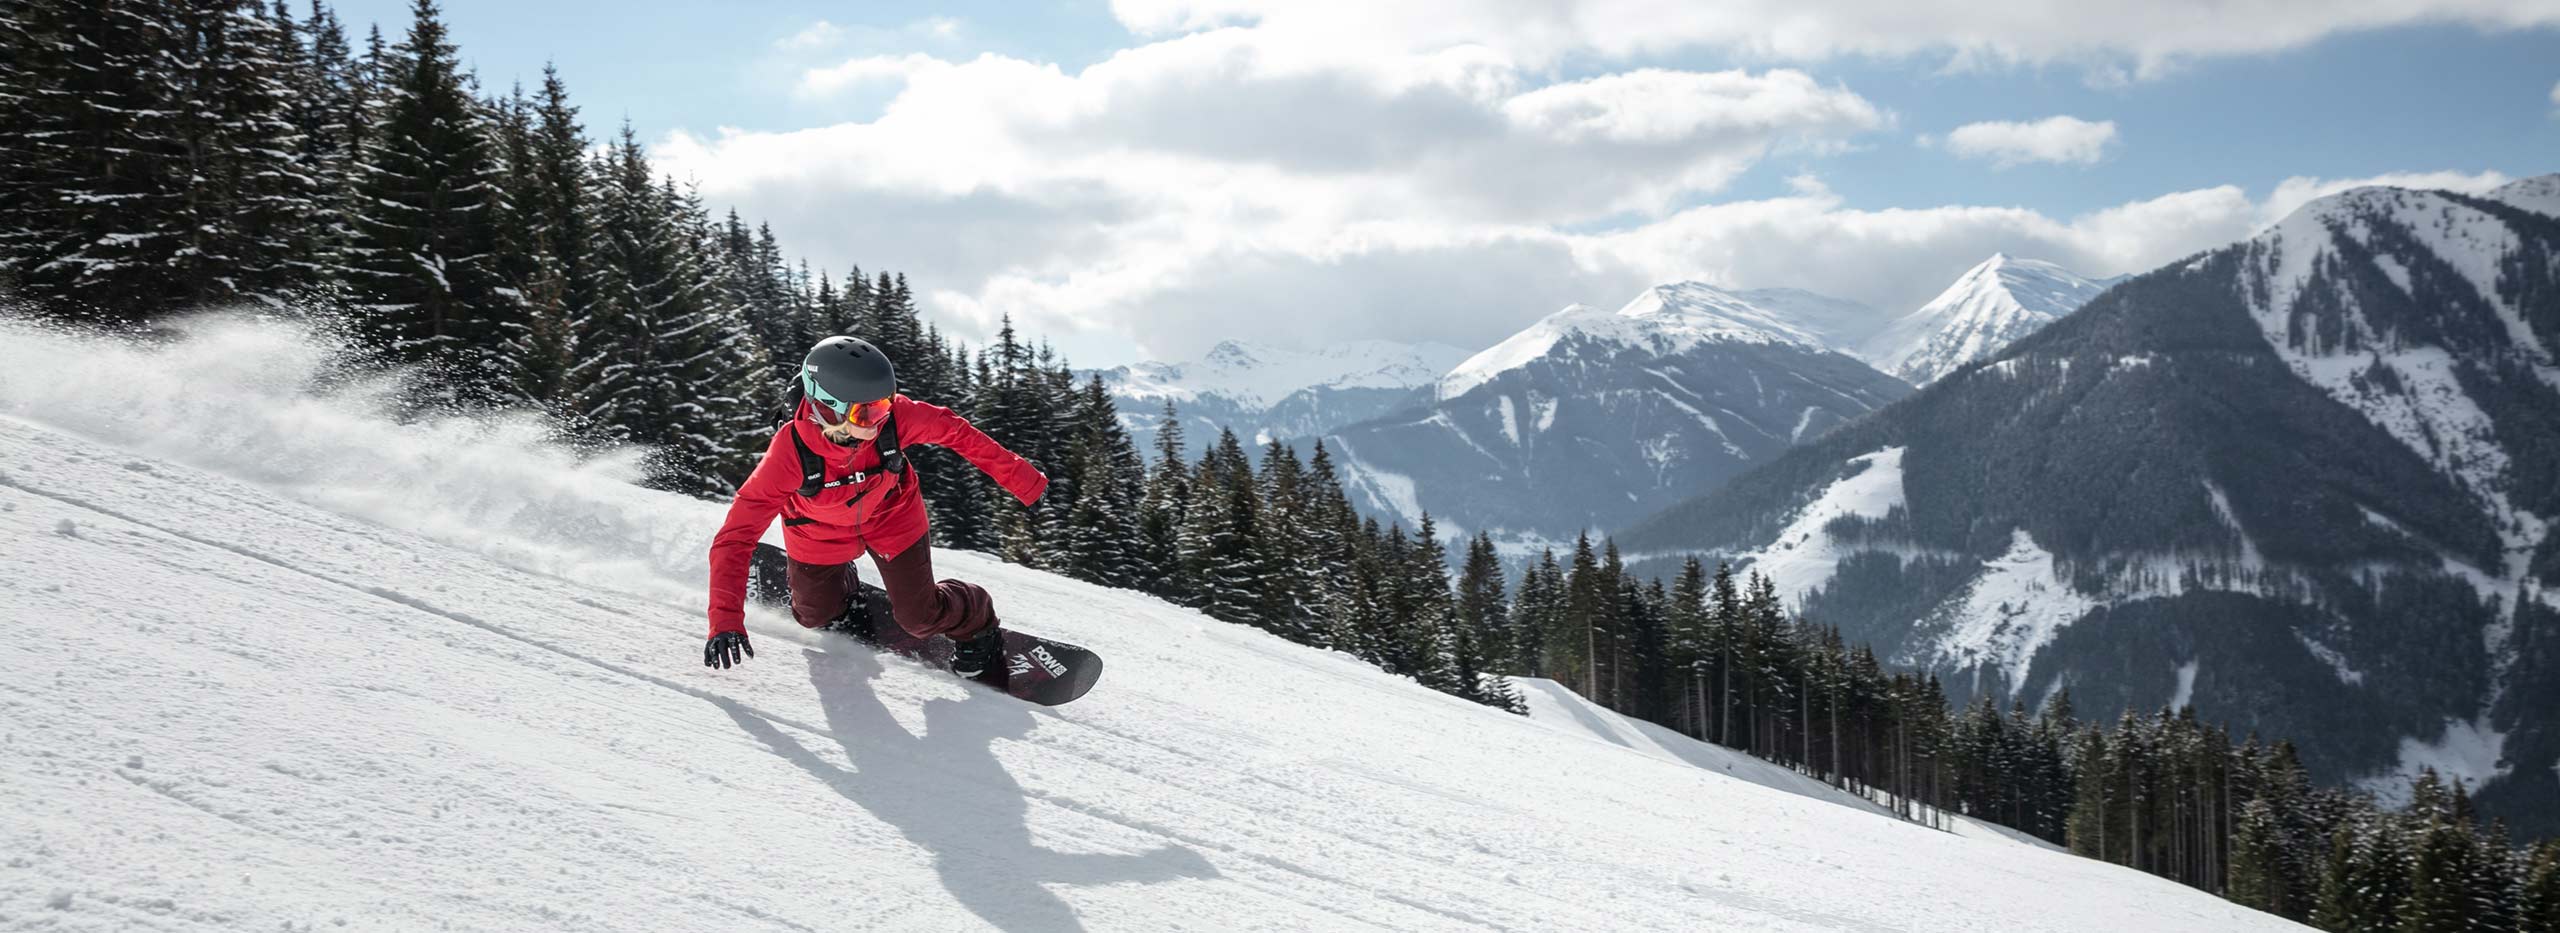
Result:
<point x="843" y="371"/>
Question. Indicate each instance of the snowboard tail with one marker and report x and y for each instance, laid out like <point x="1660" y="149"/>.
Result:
<point x="1032" y="668"/>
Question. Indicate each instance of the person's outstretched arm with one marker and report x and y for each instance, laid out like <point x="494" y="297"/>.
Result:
<point x="927" y="423"/>
<point x="759" y="499"/>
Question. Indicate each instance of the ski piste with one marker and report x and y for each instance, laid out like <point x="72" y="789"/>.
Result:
<point x="1034" y="669"/>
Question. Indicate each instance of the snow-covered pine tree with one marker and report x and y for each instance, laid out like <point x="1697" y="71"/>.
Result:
<point x="285" y="200"/>
<point x="152" y="161"/>
<point x="964" y="515"/>
<point x="730" y="372"/>
<point x="1647" y="667"/>
<point x="607" y="378"/>
<point x="562" y="211"/>
<point x="427" y="235"/>
<point x="1159" y="556"/>
<point x="889" y="319"/>
<point x="1579" y="639"/>
<point x="1726" y="620"/>
<point x="1482" y="606"/>
<point x="1059" y="409"/>
<point x="91" y="199"/>
<point x="1432" y="617"/>
<point x="1690" y="638"/>
<point x="1537" y="612"/>
<point x="1291" y="538"/>
<point x="533" y="361"/>
<point x="1327" y="525"/>
<point x="2441" y="878"/>
<point x="1223" y="537"/>
<point x="1102" y="538"/>
<point x="332" y="103"/>
<point x="2538" y="893"/>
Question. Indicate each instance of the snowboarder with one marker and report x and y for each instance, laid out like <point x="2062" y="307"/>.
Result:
<point x="836" y="475"/>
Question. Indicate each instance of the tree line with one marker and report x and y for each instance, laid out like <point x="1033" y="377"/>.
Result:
<point x="1722" y="660"/>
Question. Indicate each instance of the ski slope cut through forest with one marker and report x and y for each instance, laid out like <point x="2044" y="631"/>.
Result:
<point x="303" y="666"/>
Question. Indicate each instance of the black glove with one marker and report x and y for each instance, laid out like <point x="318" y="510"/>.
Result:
<point x="722" y="650"/>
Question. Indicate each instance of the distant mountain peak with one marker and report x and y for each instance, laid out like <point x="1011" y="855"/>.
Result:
<point x="1663" y="320"/>
<point x="1256" y="376"/>
<point x="2539" y="194"/>
<point x="1992" y="304"/>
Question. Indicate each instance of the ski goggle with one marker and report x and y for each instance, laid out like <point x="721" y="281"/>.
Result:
<point x="833" y="411"/>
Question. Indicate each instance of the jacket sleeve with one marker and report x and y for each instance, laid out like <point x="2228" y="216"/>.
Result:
<point x="759" y="499"/>
<point x="926" y="423"/>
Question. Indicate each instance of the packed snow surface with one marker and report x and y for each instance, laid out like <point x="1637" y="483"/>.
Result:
<point x="1258" y="376"/>
<point x="299" y="666"/>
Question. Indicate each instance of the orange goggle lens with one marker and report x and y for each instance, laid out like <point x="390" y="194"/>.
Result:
<point x="864" y="415"/>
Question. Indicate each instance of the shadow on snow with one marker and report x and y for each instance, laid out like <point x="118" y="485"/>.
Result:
<point x="947" y="792"/>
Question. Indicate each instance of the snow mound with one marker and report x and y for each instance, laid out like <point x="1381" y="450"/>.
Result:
<point x="316" y="669"/>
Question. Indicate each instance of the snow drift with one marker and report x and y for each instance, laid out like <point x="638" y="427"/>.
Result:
<point x="283" y="663"/>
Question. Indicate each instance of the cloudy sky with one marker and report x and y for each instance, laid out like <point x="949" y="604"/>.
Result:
<point x="1142" y="178"/>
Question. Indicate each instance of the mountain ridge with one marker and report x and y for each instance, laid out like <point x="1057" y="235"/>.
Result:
<point x="2222" y="461"/>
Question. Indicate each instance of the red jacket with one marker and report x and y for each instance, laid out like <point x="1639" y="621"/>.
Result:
<point x="884" y="514"/>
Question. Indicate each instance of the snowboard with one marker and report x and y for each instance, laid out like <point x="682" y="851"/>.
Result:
<point x="1031" y="668"/>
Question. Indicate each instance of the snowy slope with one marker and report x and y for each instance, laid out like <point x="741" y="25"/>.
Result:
<point x="1556" y="706"/>
<point x="1994" y="303"/>
<point x="2539" y="194"/>
<point x="312" y="670"/>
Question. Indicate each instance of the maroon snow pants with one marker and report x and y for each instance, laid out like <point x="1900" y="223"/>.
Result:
<point x="923" y="607"/>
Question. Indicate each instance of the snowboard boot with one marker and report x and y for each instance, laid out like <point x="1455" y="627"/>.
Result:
<point x="981" y="658"/>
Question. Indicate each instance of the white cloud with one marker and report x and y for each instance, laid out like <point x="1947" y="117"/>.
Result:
<point x="817" y="35"/>
<point x="2555" y="99"/>
<point x="2058" y="139"/>
<point x="1237" y="182"/>
<point x="862" y="70"/>
<point x="2120" y="40"/>
<point x="1122" y="200"/>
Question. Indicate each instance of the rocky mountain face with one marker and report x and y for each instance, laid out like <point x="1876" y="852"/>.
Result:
<point x="1593" y="419"/>
<point x="2304" y="482"/>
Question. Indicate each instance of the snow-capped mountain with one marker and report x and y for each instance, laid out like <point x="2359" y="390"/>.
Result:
<point x="2305" y="482"/>
<point x="1591" y="419"/>
<point x="446" y="679"/>
<point x="1265" y="392"/>
<point x="1990" y="306"/>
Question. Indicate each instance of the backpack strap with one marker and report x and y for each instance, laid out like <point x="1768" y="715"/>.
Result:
<point x="892" y="459"/>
